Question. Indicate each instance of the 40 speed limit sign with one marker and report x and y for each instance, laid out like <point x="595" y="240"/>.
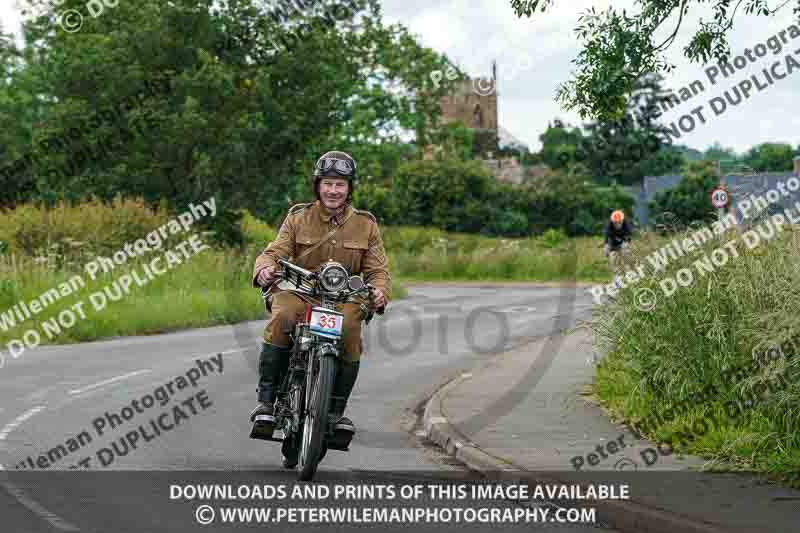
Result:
<point x="719" y="198"/>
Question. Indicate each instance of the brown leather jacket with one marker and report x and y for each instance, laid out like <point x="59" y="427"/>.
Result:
<point x="357" y="245"/>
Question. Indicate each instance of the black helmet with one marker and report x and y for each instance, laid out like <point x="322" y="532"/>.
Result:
<point x="335" y="165"/>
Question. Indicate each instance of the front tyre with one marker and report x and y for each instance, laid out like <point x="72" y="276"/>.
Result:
<point x="316" y="420"/>
<point x="289" y="450"/>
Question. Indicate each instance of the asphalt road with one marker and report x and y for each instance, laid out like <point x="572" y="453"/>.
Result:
<point x="132" y="417"/>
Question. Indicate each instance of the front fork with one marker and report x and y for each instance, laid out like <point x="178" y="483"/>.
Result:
<point x="301" y="368"/>
<point x="296" y="384"/>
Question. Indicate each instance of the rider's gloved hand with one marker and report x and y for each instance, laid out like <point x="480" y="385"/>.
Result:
<point x="265" y="276"/>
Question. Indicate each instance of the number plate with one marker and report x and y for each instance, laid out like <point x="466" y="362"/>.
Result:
<point x="326" y="323"/>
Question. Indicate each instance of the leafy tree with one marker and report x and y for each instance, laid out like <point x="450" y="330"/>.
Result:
<point x="770" y="157"/>
<point x="440" y="193"/>
<point x="483" y="142"/>
<point x="570" y="202"/>
<point x="453" y="141"/>
<point x="688" y="154"/>
<point x="379" y="161"/>
<point x="618" y="47"/>
<point x="690" y="201"/>
<point x="626" y="149"/>
<point x="560" y="144"/>
<point x="716" y="152"/>
<point x="379" y="200"/>
<point x="242" y="107"/>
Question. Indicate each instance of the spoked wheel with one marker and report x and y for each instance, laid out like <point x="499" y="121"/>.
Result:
<point x="316" y="420"/>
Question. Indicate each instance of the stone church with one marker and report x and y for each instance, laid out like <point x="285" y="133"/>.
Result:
<point x="473" y="103"/>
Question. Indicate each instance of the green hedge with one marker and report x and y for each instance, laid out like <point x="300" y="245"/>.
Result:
<point x="463" y="196"/>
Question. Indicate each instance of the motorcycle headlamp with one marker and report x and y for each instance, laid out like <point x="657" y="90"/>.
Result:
<point x="333" y="277"/>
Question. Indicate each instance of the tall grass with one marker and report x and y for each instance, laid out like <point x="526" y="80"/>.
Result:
<point x="424" y="254"/>
<point x="209" y="288"/>
<point x="668" y="356"/>
<point x="40" y="249"/>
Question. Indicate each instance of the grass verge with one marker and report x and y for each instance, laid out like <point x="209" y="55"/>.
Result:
<point x="42" y="249"/>
<point x="713" y="369"/>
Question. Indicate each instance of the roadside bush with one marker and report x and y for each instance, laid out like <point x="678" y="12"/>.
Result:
<point x="583" y="223"/>
<point x="448" y="194"/>
<point x="506" y="223"/>
<point x="410" y="239"/>
<point x="74" y="232"/>
<point x="575" y="206"/>
<point x="553" y="238"/>
<point x="690" y="200"/>
<point x="378" y="200"/>
<point x="256" y="232"/>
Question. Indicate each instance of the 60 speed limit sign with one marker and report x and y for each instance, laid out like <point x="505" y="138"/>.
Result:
<point x="719" y="198"/>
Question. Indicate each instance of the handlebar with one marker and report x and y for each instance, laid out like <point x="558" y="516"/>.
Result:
<point x="311" y="276"/>
<point x="307" y="274"/>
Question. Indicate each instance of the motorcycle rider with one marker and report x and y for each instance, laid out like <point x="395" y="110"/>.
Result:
<point x="329" y="229"/>
<point x="617" y="234"/>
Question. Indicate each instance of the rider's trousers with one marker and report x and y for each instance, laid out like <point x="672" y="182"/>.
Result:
<point x="288" y="308"/>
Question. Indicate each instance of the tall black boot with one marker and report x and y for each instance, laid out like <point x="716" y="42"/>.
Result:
<point x="272" y="364"/>
<point x="342" y="387"/>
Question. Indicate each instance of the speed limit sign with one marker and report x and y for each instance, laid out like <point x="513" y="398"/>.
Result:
<point x="719" y="198"/>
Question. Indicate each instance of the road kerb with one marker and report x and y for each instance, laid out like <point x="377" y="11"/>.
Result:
<point x="625" y="516"/>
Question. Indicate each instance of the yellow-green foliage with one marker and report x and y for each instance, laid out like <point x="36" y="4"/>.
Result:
<point x="256" y="232"/>
<point x="411" y="239"/>
<point x="426" y="254"/>
<point x="73" y="234"/>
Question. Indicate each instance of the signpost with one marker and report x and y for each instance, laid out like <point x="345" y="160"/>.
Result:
<point x="720" y="199"/>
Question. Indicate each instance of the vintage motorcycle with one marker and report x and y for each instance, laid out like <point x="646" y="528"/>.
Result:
<point x="302" y="422"/>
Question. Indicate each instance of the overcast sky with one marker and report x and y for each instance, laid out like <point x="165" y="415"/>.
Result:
<point x="534" y="56"/>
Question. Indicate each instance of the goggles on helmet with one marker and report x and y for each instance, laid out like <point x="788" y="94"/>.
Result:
<point x="341" y="167"/>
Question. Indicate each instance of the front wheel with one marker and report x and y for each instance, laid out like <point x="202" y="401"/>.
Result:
<point x="316" y="420"/>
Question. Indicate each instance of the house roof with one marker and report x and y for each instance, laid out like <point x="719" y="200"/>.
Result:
<point x="766" y="180"/>
<point x="758" y="184"/>
<point x="655" y="184"/>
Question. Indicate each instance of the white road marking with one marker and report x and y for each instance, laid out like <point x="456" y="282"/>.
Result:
<point x="518" y="309"/>
<point x="15" y="491"/>
<point x="227" y="352"/>
<point x="54" y="520"/>
<point x="108" y="381"/>
<point x="403" y="317"/>
<point x="14" y="424"/>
